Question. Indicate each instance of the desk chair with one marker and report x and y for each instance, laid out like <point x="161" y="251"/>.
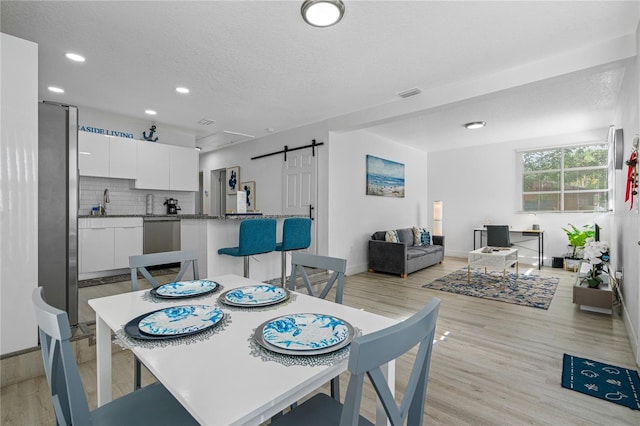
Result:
<point x="140" y="263"/>
<point x="339" y="268"/>
<point x="296" y="235"/>
<point x="256" y="236"/>
<point x="152" y="405"/>
<point x="368" y="353"/>
<point x="498" y="236"/>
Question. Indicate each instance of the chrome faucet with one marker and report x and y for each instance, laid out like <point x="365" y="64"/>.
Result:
<point x="105" y="200"/>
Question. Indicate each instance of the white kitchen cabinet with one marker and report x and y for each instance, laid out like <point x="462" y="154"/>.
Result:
<point x="123" y="158"/>
<point x="153" y="161"/>
<point x="93" y="154"/>
<point x="167" y="167"/>
<point x="183" y="169"/>
<point x="107" y="156"/>
<point x="106" y="243"/>
<point x="127" y="242"/>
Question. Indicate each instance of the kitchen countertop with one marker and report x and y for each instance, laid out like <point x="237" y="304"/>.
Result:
<point x="191" y="216"/>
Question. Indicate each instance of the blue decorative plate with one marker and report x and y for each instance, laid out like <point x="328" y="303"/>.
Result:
<point x="180" y="320"/>
<point x="255" y="295"/>
<point x="184" y="289"/>
<point x="304" y="332"/>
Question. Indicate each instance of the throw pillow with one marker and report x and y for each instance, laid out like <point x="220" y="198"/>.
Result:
<point x="391" y="236"/>
<point x="421" y="237"/>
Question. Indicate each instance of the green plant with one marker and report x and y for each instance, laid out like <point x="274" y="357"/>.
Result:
<point x="578" y="237"/>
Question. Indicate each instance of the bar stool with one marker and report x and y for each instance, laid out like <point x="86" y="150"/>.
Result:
<point x="296" y="235"/>
<point x="256" y="236"/>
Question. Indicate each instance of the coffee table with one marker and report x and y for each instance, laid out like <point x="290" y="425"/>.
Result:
<point x="497" y="258"/>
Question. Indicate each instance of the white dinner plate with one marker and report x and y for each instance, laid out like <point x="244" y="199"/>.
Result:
<point x="180" y="320"/>
<point x="183" y="289"/>
<point x="303" y="332"/>
<point x="255" y="295"/>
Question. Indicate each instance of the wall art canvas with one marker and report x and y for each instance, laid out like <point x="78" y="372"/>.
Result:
<point x="385" y="178"/>
<point x="249" y="189"/>
<point x="233" y="180"/>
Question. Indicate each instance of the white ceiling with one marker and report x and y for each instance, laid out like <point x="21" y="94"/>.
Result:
<point x="254" y="65"/>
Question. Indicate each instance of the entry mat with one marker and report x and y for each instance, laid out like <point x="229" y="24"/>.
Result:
<point x="604" y="381"/>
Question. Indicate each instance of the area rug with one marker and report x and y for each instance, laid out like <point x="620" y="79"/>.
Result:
<point x="615" y="384"/>
<point x="527" y="290"/>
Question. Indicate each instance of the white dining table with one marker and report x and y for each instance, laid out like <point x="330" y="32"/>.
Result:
<point x="218" y="379"/>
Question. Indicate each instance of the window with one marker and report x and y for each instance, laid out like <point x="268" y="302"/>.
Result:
<point x="572" y="178"/>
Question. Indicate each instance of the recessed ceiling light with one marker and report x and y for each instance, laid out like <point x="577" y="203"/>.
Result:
<point x="270" y="129"/>
<point x="182" y="90"/>
<point x="322" y="13"/>
<point x="475" y="125"/>
<point x="74" y="57"/>
<point x="55" y="89"/>
<point x="150" y="112"/>
<point x="197" y="148"/>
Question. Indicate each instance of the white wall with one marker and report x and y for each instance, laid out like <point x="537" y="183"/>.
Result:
<point x="19" y="193"/>
<point x="626" y="253"/>
<point x="479" y="185"/>
<point x="353" y="215"/>
<point x="91" y="117"/>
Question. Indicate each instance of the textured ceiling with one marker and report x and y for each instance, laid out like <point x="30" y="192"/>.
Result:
<point x="253" y="65"/>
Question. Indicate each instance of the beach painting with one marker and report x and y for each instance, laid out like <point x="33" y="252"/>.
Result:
<point x="385" y="178"/>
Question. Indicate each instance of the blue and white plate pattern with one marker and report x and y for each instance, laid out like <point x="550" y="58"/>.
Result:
<point x="180" y="320"/>
<point x="255" y="295"/>
<point x="186" y="288"/>
<point x="305" y="332"/>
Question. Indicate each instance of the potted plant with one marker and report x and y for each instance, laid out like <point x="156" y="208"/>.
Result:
<point x="596" y="252"/>
<point x="577" y="240"/>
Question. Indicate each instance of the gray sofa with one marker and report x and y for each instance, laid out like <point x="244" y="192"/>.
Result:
<point x="403" y="258"/>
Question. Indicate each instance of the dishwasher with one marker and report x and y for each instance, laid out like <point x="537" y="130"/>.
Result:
<point x="161" y="234"/>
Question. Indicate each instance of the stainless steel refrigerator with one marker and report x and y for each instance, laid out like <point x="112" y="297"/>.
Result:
<point x="58" y="193"/>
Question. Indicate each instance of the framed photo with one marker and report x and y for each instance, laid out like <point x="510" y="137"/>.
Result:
<point x="233" y="180"/>
<point x="249" y="189"/>
<point x="385" y="178"/>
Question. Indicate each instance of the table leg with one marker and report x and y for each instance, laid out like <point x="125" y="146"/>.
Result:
<point x="103" y="361"/>
<point x="468" y="274"/>
<point x="389" y="372"/>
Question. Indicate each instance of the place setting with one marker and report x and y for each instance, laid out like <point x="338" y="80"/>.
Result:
<point x="175" y="325"/>
<point x="303" y="339"/>
<point x="187" y="289"/>
<point x="255" y="297"/>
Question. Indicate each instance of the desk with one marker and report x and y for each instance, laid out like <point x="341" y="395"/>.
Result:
<point x="531" y="234"/>
<point x="217" y="380"/>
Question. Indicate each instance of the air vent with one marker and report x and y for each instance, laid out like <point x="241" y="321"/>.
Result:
<point x="410" y="92"/>
<point x="206" y="121"/>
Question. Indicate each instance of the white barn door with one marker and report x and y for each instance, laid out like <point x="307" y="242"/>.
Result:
<point x="300" y="176"/>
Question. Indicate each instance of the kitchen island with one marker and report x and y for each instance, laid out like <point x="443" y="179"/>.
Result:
<point x="206" y="234"/>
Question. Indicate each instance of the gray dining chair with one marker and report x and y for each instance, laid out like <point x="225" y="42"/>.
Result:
<point x="339" y="267"/>
<point x="301" y="260"/>
<point x="367" y="354"/>
<point x="140" y="263"/>
<point x="152" y="405"/>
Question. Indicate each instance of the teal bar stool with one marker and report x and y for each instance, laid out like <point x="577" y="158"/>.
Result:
<point x="256" y="236"/>
<point x="296" y="235"/>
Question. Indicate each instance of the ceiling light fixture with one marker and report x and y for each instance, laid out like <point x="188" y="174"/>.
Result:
<point x="55" y="89"/>
<point x="74" y="57"/>
<point x="475" y="125"/>
<point x="183" y="90"/>
<point x="322" y="13"/>
<point x="150" y="112"/>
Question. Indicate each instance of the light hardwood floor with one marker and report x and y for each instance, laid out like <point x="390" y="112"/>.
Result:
<point x="494" y="363"/>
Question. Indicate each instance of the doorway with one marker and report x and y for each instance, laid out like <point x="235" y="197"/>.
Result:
<point x="217" y="192"/>
<point x="300" y="188"/>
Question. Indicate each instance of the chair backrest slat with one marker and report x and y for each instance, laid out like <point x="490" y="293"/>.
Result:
<point x="140" y="263"/>
<point x="369" y="352"/>
<point x="67" y="393"/>
<point x="301" y="260"/>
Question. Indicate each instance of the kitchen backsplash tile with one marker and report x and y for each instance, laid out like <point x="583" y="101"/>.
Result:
<point x="125" y="199"/>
